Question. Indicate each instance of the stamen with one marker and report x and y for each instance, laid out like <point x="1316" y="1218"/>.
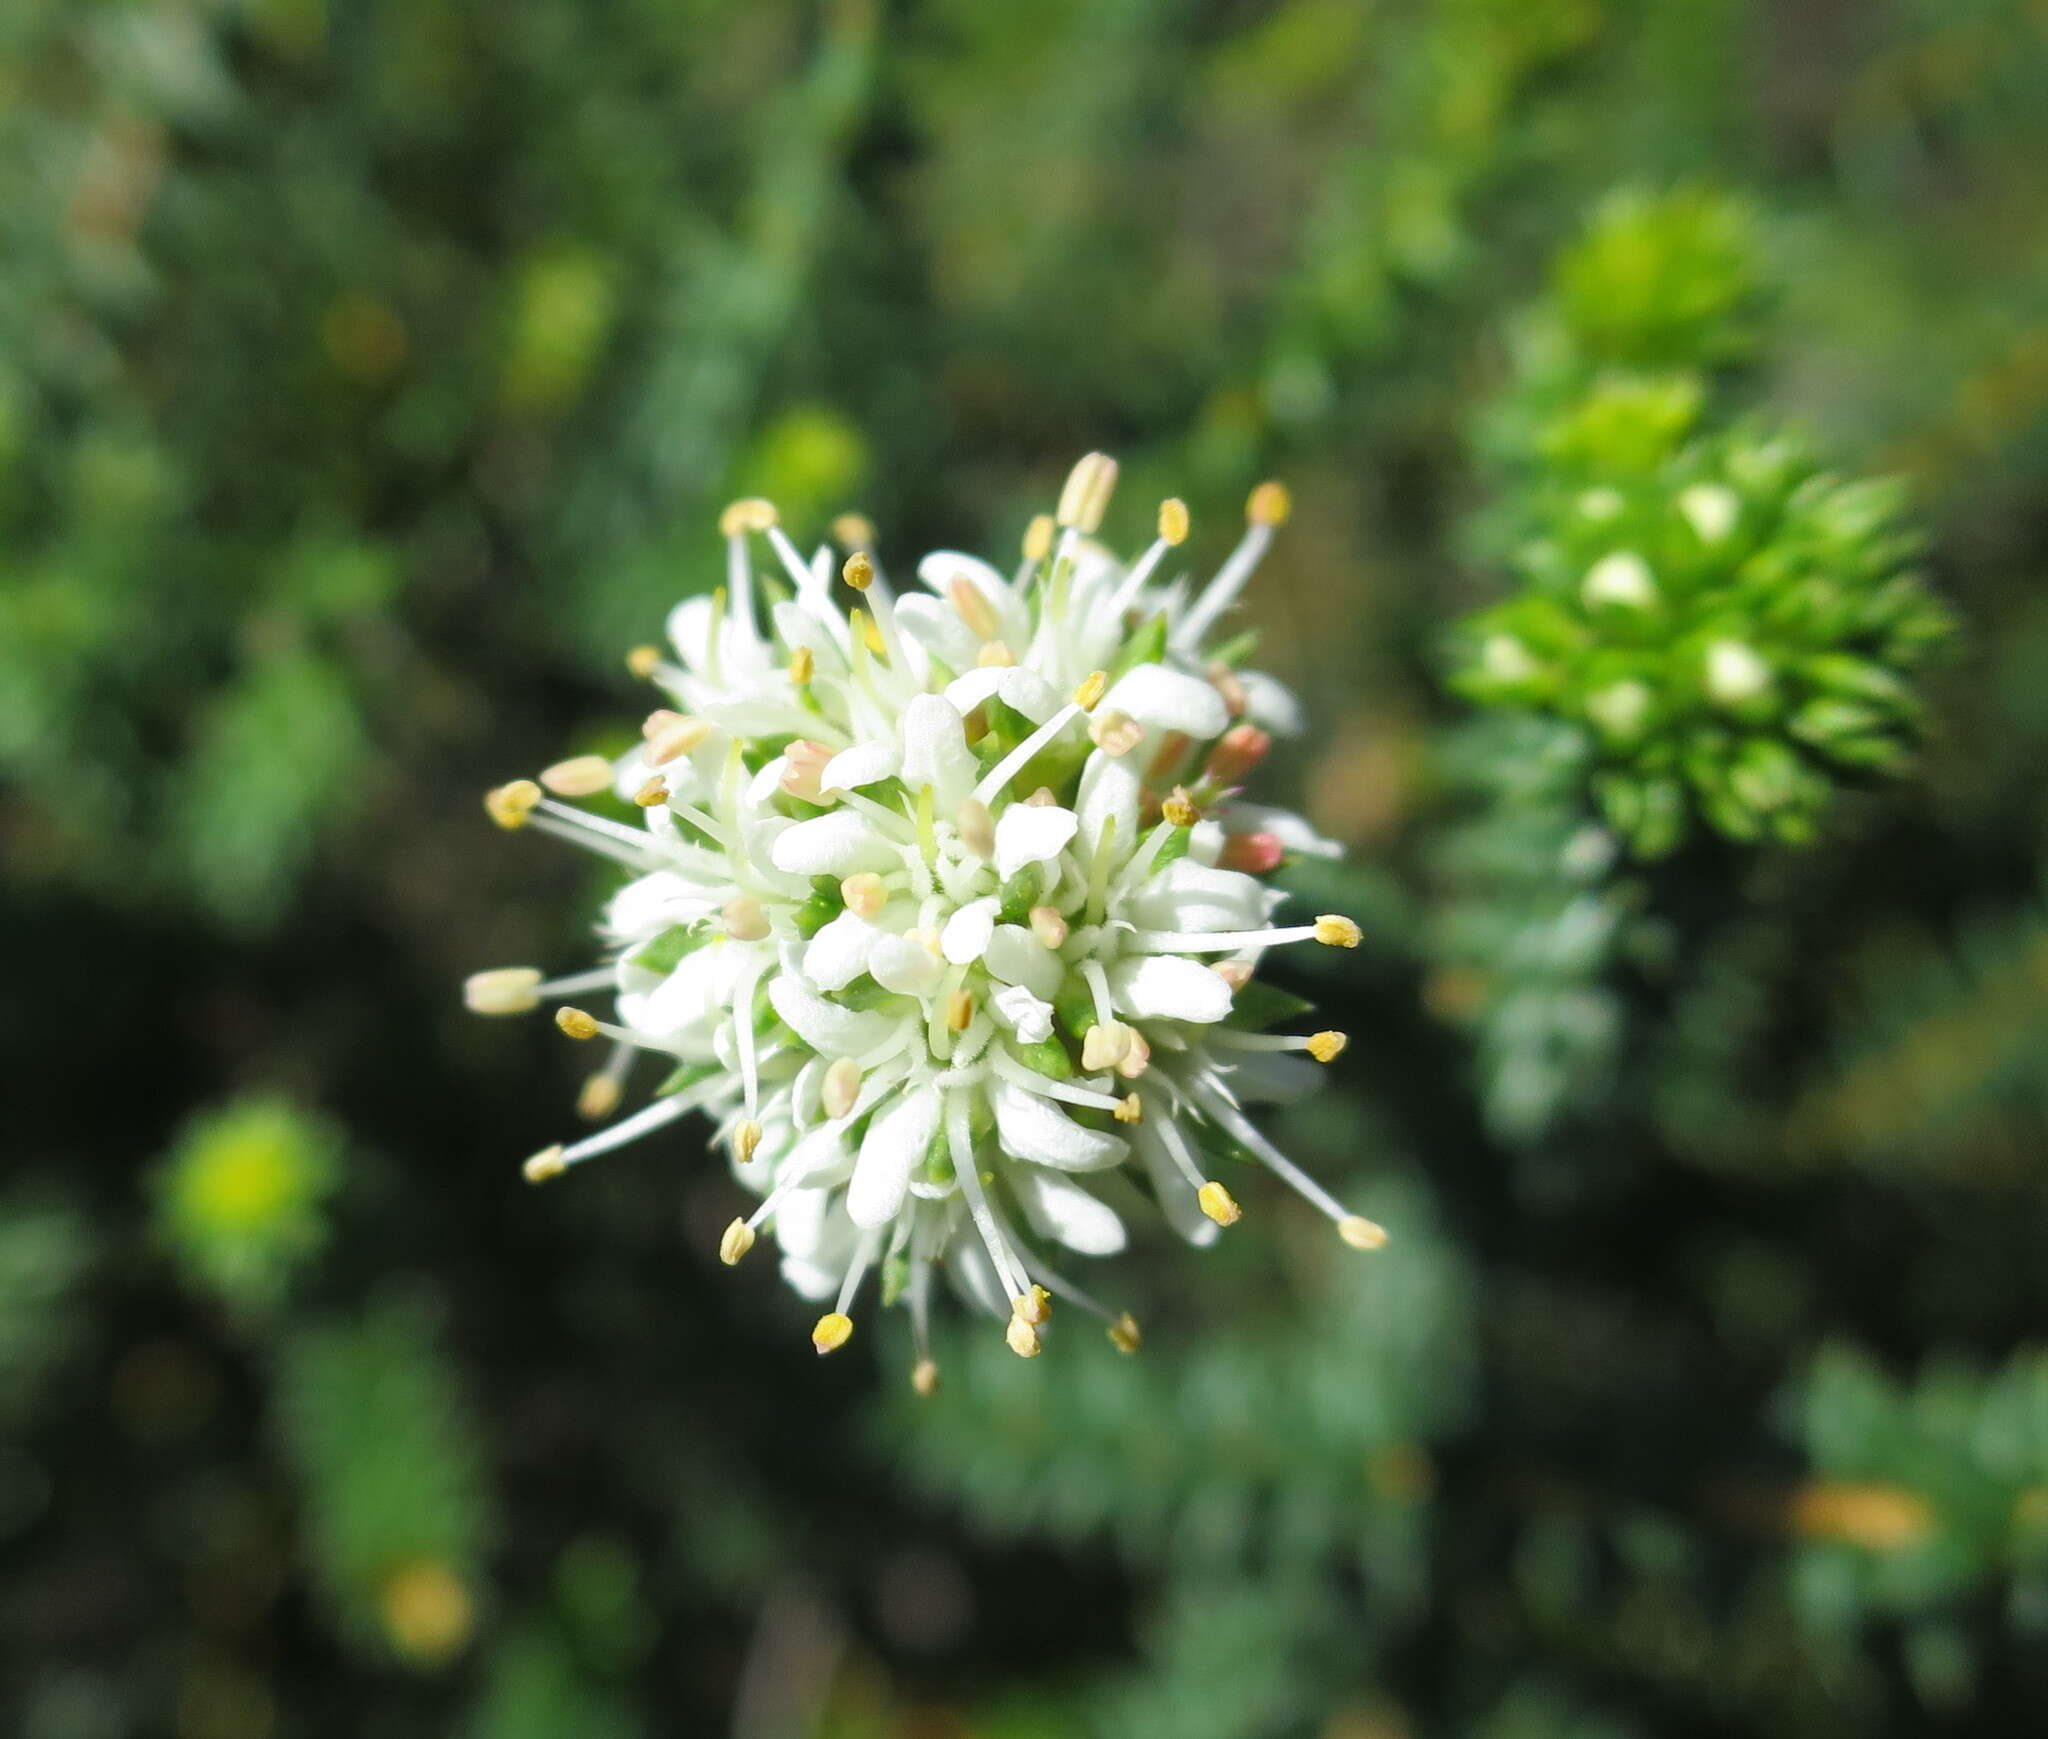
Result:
<point x="1106" y="1044"/>
<point x="1179" y="809"/>
<point x="1130" y="1109"/>
<point x="959" y="1010"/>
<point x="751" y="513"/>
<point x="1218" y="1203"/>
<point x="1333" y="932"/>
<point x="1034" y="1307"/>
<point x="1048" y="926"/>
<point x="1086" y="496"/>
<point x="858" y="570"/>
<point x="1123" y="1334"/>
<point x="833" y="1331"/>
<point x="924" y="1377"/>
<point x="865" y="894"/>
<point x="977" y="828"/>
<point x="653" y="794"/>
<point x="803" y="665"/>
<point x="974" y="607"/>
<point x="995" y="655"/>
<point x="584" y="776"/>
<point x="643" y="661"/>
<point x="1091" y="691"/>
<point x="1337" y="932"/>
<point x="1361" y="1233"/>
<point x="575" y="1024"/>
<point x="1021" y="1338"/>
<point x="1327" y="1047"/>
<point x="1000" y="775"/>
<point x="854" y="531"/>
<point x="674" y="740"/>
<point x="510" y="805"/>
<point x="658" y="721"/>
<point x="1038" y="537"/>
<point x="599" y="1095"/>
<point x="503" y="990"/>
<point x="841" y="1088"/>
<point x="744" y="919"/>
<point x="543" y="1165"/>
<point x="1269" y="504"/>
<point x="1268" y="507"/>
<point x="737" y="1241"/>
<point x="746" y="1140"/>
<point x="1254" y="854"/>
<point x="1115" y="732"/>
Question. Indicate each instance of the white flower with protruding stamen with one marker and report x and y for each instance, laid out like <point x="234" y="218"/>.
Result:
<point x="941" y="906"/>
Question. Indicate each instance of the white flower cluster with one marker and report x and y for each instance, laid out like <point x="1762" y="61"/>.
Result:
<point x="943" y="906"/>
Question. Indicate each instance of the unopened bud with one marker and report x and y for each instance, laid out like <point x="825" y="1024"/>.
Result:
<point x="1237" y="752"/>
<point x="1048" y="926"/>
<point x="1256" y="854"/>
<point x="864" y="894"/>
<point x="1105" y="1045"/>
<point x="744" y="919"/>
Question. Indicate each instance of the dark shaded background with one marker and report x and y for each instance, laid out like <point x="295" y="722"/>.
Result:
<point x="370" y="376"/>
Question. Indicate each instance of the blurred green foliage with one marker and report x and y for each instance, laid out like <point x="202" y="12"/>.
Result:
<point x="370" y="376"/>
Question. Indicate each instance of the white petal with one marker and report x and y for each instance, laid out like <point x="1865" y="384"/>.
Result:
<point x="1028" y="1016"/>
<point x="860" y="765"/>
<point x="1109" y="792"/>
<point x="1187" y="895"/>
<point x="937" y="627"/>
<point x="966" y="935"/>
<point x="825" y="1026"/>
<point x="837" y="844"/>
<point x="903" y="965"/>
<point x="838" y="953"/>
<point x="1038" y="1130"/>
<point x="1061" y="1209"/>
<point x="1169" y="987"/>
<point x="1031" y="833"/>
<point x="652" y="903"/>
<point x="1170" y="700"/>
<point x="1016" y="956"/>
<point x="1270" y="703"/>
<point x="897" y="1137"/>
<point x="965" y="693"/>
<point x="935" y="750"/>
<point x="1029" y="693"/>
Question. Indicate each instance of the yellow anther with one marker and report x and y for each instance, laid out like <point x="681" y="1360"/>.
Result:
<point x="1327" y="1047"/>
<point x="1085" y="498"/>
<point x="959" y="1011"/>
<point x="1115" y="732"/>
<point x="674" y="740"/>
<point x="1137" y="1059"/>
<point x="545" y="1164"/>
<point x="503" y="990"/>
<point x="597" y="1098"/>
<point x="643" y="661"/>
<point x="1048" y="926"/>
<point x="658" y="721"/>
<point x="1123" y="1334"/>
<point x="1038" y="537"/>
<point x="1091" y="691"/>
<point x="1105" y="1045"/>
<point x="803" y="665"/>
<point x="1218" y="1203"/>
<point x="1034" y="1307"/>
<point x="744" y="919"/>
<point x="977" y="828"/>
<point x="575" y="1023"/>
<point x="973" y="606"/>
<point x="1130" y="1109"/>
<point x="1173" y="521"/>
<point x="1361" y="1233"/>
<point x="1335" y="932"/>
<point x="864" y="894"/>
<point x="1021" y="1338"/>
<point x="737" y="1241"/>
<point x="834" y="1330"/>
<point x="510" y="805"/>
<point x="994" y="655"/>
<point x="1269" y="504"/>
<point x="749" y="514"/>
<point x="858" y="570"/>
<point x="1042" y="798"/>
<point x="1179" y="809"/>
<point x="924" y="1377"/>
<point x="653" y="794"/>
<point x="854" y="531"/>
<point x="746" y="1140"/>
<point x="584" y="776"/>
<point x="841" y="1087"/>
<point x="870" y="636"/>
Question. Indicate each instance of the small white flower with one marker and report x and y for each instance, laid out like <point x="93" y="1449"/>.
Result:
<point x="939" y="906"/>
